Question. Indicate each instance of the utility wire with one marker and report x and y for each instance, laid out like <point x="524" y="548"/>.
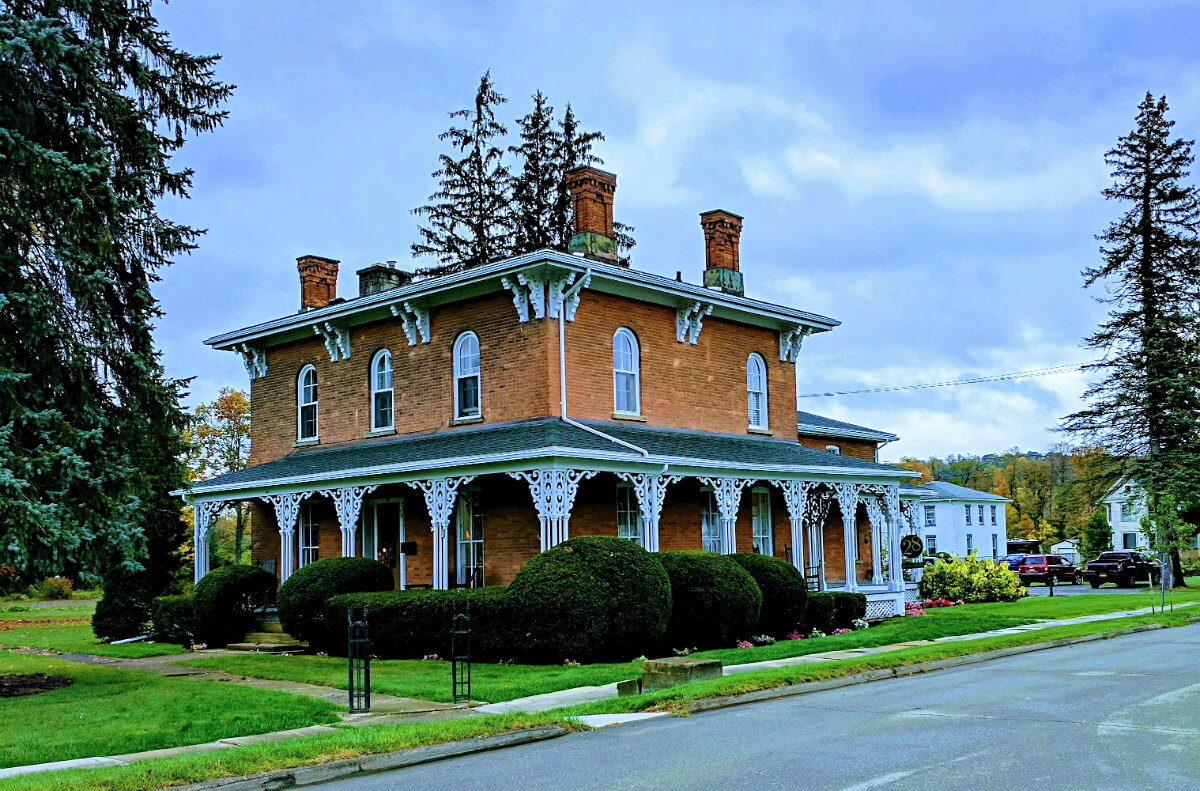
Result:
<point x="1054" y="369"/>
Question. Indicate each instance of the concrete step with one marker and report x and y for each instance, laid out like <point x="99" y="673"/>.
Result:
<point x="263" y="648"/>
<point x="272" y="638"/>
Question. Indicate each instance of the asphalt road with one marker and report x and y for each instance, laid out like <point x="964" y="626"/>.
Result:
<point x="1113" y="714"/>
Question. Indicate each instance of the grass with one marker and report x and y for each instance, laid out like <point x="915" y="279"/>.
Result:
<point x="110" y="711"/>
<point x="77" y="639"/>
<point x="345" y="742"/>
<point x="57" y="612"/>
<point x="421" y="679"/>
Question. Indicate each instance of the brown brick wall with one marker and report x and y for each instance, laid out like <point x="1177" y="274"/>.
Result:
<point x="859" y="449"/>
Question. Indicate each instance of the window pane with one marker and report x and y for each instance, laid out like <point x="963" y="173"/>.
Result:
<point x="628" y="515"/>
<point x="626" y="392"/>
<point x="710" y="524"/>
<point x="761" y="527"/>
<point x="468" y="396"/>
<point x="383" y="409"/>
<point x="308" y="421"/>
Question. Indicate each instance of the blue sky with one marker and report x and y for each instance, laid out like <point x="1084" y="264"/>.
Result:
<point x="927" y="173"/>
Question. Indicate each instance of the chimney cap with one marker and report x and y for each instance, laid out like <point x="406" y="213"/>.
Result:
<point x="580" y="171"/>
<point x="318" y="258"/>
<point x="713" y="213"/>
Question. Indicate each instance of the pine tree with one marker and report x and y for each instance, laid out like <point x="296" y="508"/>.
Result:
<point x="468" y="217"/>
<point x="94" y="100"/>
<point x="1146" y="408"/>
<point x="537" y="187"/>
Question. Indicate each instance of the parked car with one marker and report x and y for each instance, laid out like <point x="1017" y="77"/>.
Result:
<point x="1123" y="568"/>
<point x="1043" y="568"/>
<point x="1013" y="561"/>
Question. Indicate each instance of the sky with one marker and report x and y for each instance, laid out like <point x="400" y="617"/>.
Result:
<point x="928" y="173"/>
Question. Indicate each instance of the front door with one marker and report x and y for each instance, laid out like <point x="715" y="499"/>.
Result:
<point x="382" y="533"/>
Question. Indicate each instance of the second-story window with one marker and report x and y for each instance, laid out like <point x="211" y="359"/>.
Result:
<point x="756" y="391"/>
<point x="626" y="374"/>
<point x="466" y="376"/>
<point x="968" y="513"/>
<point x="306" y="404"/>
<point x="381" y="391"/>
<point x="993" y="513"/>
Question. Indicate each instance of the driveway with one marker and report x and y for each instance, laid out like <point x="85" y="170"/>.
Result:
<point x="1113" y="714"/>
<point x="1038" y="589"/>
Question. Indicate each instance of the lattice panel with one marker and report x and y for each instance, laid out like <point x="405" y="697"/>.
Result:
<point x="879" y="608"/>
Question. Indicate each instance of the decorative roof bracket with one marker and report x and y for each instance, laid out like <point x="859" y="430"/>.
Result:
<point x="255" y="360"/>
<point x="557" y="287"/>
<point x="790" y="341"/>
<point x="688" y="319"/>
<point x="414" y="319"/>
<point x="337" y="339"/>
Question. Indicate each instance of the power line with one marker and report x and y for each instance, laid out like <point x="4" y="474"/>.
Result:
<point x="1054" y="369"/>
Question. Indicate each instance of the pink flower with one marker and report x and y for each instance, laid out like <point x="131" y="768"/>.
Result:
<point x="794" y="635"/>
<point x="744" y="644"/>
<point x="432" y="657"/>
<point x="841" y="631"/>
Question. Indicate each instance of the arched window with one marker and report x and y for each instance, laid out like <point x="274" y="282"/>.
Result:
<point x="381" y="391"/>
<point x="626" y="375"/>
<point x="466" y="376"/>
<point x="756" y="391"/>
<point x="306" y="404"/>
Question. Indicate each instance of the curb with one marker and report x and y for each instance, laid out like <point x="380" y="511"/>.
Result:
<point x="726" y="701"/>
<point x="368" y="764"/>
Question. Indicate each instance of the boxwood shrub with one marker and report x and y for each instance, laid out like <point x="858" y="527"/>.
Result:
<point x="590" y="598"/>
<point x="714" y="601"/>
<point x="124" y="609"/>
<point x="301" y="600"/>
<point x="412" y="624"/>
<point x="847" y="607"/>
<point x="229" y="600"/>
<point x="173" y="619"/>
<point x="784" y="592"/>
<point x="818" y="612"/>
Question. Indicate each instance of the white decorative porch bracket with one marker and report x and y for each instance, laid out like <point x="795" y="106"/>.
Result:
<point x="414" y="320"/>
<point x="348" y="503"/>
<point x="287" y="511"/>
<point x="688" y="320"/>
<point x="795" y="496"/>
<point x="816" y="511"/>
<point x="876" y="518"/>
<point x="650" y="491"/>
<point x="728" y="494"/>
<point x="847" y="497"/>
<point x="204" y="513"/>
<point x="553" y="494"/>
<point x="909" y="509"/>
<point x="440" y="496"/>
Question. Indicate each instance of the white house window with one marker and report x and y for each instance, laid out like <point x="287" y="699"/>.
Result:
<point x="930" y="545"/>
<point x="629" y="517"/>
<point x="306" y="404"/>
<point x="930" y="516"/>
<point x="756" y="391"/>
<point x="626" y="373"/>
<point x="1126" y="511"/>
<point x="307" y="535"/>
<point x="710" y="523"/>
<point x="968" y="513"/>
<point x="993" y="514"/>
<point x="995" y="545"/>
<point x="981" y="514"/>
<point x="834" y="449"/>
<point x="970" y="543"/>
<point x="760" y="521"/>
<point x="381" y="391"/>
<point x="466" y="376"/>
<point x="469" y="541"/>
<point x="1129" y="540"/>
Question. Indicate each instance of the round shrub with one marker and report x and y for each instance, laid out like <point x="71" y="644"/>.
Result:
<point x="784" y="592"/>
<point x="589" y="598"/>
<point x="848" y="608"/>
<point x="124" y="609"/>
<point x="173" y="619"/>
<point x="818" y="613"/>
<point x="714" y="601"/>
<point x="971" y="580"/>
<point x="301" y="600"/>
<point x="229" y="600"/>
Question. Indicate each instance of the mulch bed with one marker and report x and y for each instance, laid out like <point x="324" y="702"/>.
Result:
<point x="9" y="625"/>
<point x="17" y="685"/>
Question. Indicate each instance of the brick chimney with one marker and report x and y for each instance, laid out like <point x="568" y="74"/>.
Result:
<point x="318" y="281"/>
<point x="592" y="198"/>
<point x="722" y="235"/>
<point x="380" y="277"/>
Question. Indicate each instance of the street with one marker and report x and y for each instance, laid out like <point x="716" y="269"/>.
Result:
<point x="1114" y="714"/>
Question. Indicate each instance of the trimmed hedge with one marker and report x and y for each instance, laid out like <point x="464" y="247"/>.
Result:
<point x="590" y="598"/>
<point x="229" y="600"/>
<point x="848" y="607"/>
<point x="714" y="601"/>
<point x="173" y="619"/>
<point x="414" y="623"/>
<point x="302" y="598"/>
<point x="818" y="612"/>
<point x="784" y="592"/>
<point x="124" y="609"/>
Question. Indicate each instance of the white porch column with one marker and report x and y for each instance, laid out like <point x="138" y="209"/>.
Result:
<point x="875" y="516"/>
<point x="728" y="494"/>
<point x="847" y="497"/>
<point x="651" y="491"/>
<point x="440" y="495"/>
<point x="204" y="513"/>
<point x="347" y="502"/>
<point x="795" y="496"/>
<point x="553" y="494"/>
<point x="287" y="511"/>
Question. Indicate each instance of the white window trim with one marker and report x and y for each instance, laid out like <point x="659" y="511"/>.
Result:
<point x="709" y="496"/>
<point x="834" y="449"/>
<point x="307" y="521"/>
<point x="625" y="332"/>
<point x="626" y="490"/>
<point x="763" y="425"/>
<point x="301" y="404"/>
<point x="375" y="390"/>
<point x="458" y="374"/>
<point x="968" y="510"/>
<point x="769" y="517"/>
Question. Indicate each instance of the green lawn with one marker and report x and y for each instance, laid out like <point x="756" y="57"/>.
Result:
<point x="420" y="679"/>
<point x="78" y="639"/>
<point x="58" y="612"/>
<point x="109" y="711"/>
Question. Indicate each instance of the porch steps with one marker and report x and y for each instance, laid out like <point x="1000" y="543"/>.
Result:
<point x="266" y="642"/>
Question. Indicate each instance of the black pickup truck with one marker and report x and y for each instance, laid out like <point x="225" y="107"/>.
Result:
<point x="1124" y="568"/>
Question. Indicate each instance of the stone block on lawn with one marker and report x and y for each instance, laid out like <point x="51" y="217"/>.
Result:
<point x="676" y="670"/>
<point x="632" y="686"/>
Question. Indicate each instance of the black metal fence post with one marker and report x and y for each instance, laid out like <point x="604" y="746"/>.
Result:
<point x="460" y="650"/>
<point x="358" y="653"/>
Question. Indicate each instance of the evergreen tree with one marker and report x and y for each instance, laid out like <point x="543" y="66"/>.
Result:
<point x="537" y="188"/>
<point x="1146" y="408"/>
<point x="468" y="218"/>
<point x="1097" y="535"/>
<point x="94" y="100"/>
<point x="575" y="149"/>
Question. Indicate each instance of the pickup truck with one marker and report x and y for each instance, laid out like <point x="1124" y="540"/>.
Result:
<point x="1123" y="568"/>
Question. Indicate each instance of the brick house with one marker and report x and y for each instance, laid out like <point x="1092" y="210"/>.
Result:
<point x="455" y="426"/>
